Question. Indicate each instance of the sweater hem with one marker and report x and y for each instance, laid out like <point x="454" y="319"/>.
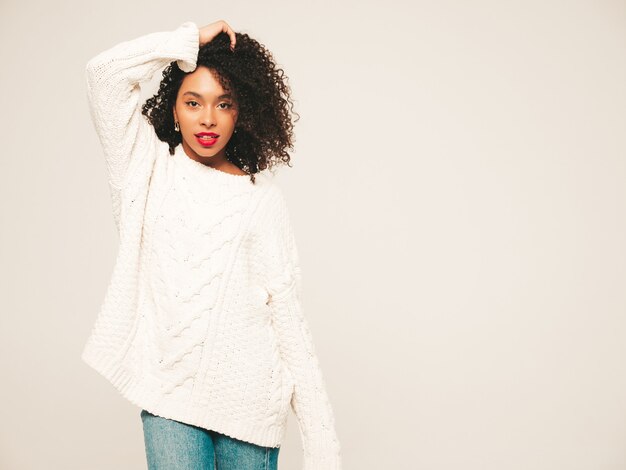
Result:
<point x="138" y="392"/>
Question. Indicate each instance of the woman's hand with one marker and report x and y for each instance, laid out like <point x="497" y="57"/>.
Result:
<point x="208" y="32"/>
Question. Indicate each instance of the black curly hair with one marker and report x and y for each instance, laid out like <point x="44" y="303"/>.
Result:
<point x="264" y="129"/>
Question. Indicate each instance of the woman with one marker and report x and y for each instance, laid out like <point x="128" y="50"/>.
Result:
<point x="201" y="325"/>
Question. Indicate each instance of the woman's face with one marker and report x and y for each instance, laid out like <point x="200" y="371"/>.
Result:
<point x="203" y="106"/>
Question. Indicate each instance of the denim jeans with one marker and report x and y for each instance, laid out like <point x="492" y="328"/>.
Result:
<point x="172" y="445"/>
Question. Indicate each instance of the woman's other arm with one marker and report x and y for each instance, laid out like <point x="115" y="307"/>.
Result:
<point x="310" y="401"/>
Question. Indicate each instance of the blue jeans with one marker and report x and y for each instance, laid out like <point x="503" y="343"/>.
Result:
<point x="172" y="445"/>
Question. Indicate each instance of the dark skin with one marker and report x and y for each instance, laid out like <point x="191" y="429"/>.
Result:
<point x="202" y="105"/>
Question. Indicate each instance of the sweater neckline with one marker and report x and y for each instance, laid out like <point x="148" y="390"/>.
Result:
<point x="205" y="171"/>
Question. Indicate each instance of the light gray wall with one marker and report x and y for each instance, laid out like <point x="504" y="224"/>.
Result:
<point x="458" y="194"/>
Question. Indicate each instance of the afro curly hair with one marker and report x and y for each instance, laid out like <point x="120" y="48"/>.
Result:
<point x="264" y="129"/>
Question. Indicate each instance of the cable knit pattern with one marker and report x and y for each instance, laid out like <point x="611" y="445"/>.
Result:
<point x="202" y="319"/>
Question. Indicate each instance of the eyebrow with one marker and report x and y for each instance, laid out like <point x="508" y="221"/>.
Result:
<point x="198" y="95"/>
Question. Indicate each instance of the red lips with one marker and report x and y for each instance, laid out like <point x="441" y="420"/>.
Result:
<point x="207" y="141"/>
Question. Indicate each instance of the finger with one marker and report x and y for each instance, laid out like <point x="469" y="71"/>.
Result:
<point x="233" y="38"/>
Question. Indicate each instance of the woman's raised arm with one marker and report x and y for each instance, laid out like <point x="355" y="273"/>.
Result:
<point x="113" y="77"/>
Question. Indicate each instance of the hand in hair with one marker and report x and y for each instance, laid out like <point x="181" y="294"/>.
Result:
<point x="208" y="32"/>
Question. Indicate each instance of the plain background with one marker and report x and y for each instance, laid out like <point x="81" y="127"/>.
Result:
<point x="459" y="199"/>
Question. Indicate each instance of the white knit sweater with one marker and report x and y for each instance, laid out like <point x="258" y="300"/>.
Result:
<point x="202" y="319"/>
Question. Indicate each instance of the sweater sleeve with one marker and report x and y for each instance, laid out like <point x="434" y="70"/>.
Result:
<point x="112" y="79"/>
<point x="309" y="401"/>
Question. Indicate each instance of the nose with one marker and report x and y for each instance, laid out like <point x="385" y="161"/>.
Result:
<point x="208" y="117"/>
